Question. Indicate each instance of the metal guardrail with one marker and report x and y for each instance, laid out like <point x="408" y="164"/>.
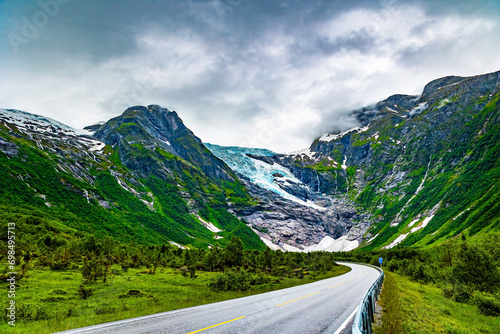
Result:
<point x="365" y="315"/>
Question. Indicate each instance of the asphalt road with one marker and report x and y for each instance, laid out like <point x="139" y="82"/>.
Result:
<point x="325" y="306"/>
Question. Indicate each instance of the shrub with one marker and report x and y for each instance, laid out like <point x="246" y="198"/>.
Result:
<point x="476" y="269"/>
<point x="462" y="294"/>
<point x="84" y="292"/>
<point x="104" y="309"/>
<point x="259" y="279"/>
<point x="448" y="292"/>
<point x="230" y="281"/>
<point x="53" y="299"/>
<point x="59" y="265"/>
<point x="32" y="312"/>
<point x="487" y="304"/>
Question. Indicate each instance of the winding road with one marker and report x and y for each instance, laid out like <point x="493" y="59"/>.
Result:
<point x="325" y="306"/>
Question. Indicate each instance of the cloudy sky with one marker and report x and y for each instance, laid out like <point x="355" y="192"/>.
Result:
<point x="273" y="74"/>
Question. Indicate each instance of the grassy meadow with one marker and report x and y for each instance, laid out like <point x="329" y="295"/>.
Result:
<point x="414" y="308"/>
<point x="48" y="301"/>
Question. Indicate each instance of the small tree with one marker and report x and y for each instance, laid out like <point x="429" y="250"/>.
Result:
<point x="233" y="254"/>
<point x="85" y="293"/>
<point x="476" y="269"/>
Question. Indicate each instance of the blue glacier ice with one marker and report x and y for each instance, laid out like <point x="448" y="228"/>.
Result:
<point x="259" y="172"/>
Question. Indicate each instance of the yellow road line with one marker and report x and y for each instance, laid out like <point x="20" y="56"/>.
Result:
<point x="226" y="322"/>
<point x="222" y="323"/>
<point x="355" y="276"/>
<point x="298" y="298"/>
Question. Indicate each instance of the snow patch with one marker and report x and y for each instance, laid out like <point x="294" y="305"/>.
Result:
<point x="85" y="191"/>
<point x="413" y="222"/>
<point x="372" y="238"/>
<point x="211" y="227"/>
<point x="395" y="222"/>
<point x="291" y="248"/>
<point x="344" y="166"/>
<point x="443" y="102"/>
<point x="397" y="241"/>
<point x="97" y="147"/>
<point x="450" y="85"/>
<point x="418" y="109"/>
<point x="29" y="123"/>
<point x="178" y="245"/>
<point x="303" y="152"/>
<point x="461" y="213"/>
<point x="150" y="205"/>
<point x="329" y="244"/>
<point x="332" y="136"/>
<point x="270" y="244"/>
<point x="395" y="141"/>
<point x="424" y="224"/>
<point x="38" y="123"/>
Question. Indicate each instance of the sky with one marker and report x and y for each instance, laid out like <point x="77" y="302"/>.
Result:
<point x="272" y="74"/>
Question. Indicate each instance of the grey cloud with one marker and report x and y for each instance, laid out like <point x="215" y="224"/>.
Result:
<point x="234" y="69"/>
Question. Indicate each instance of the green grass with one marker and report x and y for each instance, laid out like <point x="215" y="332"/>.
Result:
<point x="48" y="301"/>
<point x="423" y="309"/>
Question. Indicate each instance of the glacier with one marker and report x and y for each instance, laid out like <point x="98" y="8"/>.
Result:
<point x="259" y="172"/>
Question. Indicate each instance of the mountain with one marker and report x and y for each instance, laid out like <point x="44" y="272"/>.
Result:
<point x="417" y="170"/>
<point x="141" y="177"/>
<point x="148" y="128"/>
<point x="289" y="215"/>
<point x="426" y="167"/>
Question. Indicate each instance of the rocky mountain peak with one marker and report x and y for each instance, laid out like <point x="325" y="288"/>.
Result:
<point x="460" y="88"/>
<point x="143" y="129"/>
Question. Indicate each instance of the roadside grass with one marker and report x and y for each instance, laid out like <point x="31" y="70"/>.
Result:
<point x="48" y="301"/>
<point x="415" y="308"/>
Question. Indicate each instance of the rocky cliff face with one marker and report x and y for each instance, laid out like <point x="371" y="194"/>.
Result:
<point x="289" y="225"/>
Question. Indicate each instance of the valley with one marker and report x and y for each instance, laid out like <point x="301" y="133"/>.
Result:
<point x="142" y="196"/>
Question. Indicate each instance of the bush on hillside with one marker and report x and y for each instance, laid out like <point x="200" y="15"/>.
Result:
<point x="487" y="304"/>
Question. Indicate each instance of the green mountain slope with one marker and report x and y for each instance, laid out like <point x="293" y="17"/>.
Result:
<point x="426" y="166"/>
<point x="132" y="185"/>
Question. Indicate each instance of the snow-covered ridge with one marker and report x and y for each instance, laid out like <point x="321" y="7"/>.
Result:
<point x="30" y="124"/>
<point x="303" y="152"/>
<point x="38" y="123"/>
<point x="331" y="136"/>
